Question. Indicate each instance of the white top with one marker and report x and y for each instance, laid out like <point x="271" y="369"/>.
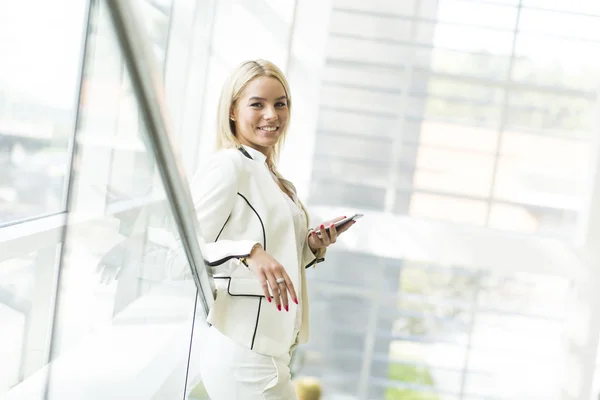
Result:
<point x="301" y="232"/>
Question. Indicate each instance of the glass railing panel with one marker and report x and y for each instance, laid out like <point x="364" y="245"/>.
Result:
<point x="26" y="292"/>
<point x="124" y="318"/>
<point x="101" y="311"/>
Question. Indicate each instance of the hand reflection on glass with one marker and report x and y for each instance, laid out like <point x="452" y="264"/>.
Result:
<point x="120" y="256"/>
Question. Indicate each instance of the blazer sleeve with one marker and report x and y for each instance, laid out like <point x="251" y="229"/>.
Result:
<point x="214" y="192"/>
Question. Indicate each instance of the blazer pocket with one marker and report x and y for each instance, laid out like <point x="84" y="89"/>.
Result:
<point x="245" y="287"/>
<point x="241" y="281"/>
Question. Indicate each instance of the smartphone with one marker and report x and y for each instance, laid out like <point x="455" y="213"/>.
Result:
<point x="345" y="221"/>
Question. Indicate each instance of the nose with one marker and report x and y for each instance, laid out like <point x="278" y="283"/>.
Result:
<point x="270" y="113"/>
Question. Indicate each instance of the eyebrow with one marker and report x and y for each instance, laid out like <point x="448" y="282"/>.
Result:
<point x="263" y="99"/>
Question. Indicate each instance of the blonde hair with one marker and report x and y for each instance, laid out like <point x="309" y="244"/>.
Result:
<point x="308" y="388"/>
<point x="232" y="89"/>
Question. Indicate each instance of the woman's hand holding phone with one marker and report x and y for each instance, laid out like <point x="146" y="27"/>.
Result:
<point x="327" y="233"/>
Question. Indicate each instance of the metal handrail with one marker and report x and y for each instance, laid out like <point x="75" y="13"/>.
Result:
<point x="149" y="91"/>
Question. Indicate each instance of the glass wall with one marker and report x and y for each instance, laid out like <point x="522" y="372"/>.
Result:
<point x="88" y="306"/>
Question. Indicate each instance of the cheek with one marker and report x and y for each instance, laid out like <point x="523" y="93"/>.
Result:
<point x="284" y="116"/>
<point x="251" y="118"/>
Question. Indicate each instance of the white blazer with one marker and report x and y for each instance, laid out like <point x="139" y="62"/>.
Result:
<point x="239" y="204"/>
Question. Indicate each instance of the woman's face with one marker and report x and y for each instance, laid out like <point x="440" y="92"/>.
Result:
<point x="261" y="114"/>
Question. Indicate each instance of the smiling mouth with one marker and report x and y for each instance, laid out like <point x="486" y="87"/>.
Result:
<point x="268" y="128"/>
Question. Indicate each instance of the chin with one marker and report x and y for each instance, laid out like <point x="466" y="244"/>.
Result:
<point x="269" y="142"/>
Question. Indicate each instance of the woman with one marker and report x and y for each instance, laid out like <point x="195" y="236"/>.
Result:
<point x="257" y="242"/>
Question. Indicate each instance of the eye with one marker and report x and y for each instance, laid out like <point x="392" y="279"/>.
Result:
<point x="256" y="105"/>
<point x="281" y="104"/>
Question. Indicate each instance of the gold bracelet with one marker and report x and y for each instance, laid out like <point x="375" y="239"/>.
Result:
<point x="244" y="260"/>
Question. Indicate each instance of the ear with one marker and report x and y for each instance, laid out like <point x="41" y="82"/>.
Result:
<point x="232" y="113"/>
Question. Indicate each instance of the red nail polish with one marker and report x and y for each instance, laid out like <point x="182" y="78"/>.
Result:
<point x="279" y="307"/>
<point x="287" y="309"/>
<point x="268" y="298"/>
<point x="345" y="216"/>
<point x="296" y="301"/>
<point x="322" y="226"/>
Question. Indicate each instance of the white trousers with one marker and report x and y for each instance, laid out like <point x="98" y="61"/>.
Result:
<point x="230" y="371"/>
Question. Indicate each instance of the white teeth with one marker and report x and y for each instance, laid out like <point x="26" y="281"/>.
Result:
<point x="269" y="128"/>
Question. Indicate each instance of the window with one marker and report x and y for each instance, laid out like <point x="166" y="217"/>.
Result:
<point x="424" y="331"/>
<point x="39" y="87"/>
<point x="473" y="109"/>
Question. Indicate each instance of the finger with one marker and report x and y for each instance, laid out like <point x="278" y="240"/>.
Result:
<point x="284" y="295"/>
<point x="332" y="233"/>
<point x="324" y="235"/>
<point x="316" y="236"/>
<point x="265" y="285"/>
<point x="315" y="240"/>
<point x="290" y="287"/>
<point x="275" y="289"/>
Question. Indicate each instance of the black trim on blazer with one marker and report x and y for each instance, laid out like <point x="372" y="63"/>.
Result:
<point x="244" y="152"/>
<point x="255" y="326"/>
<point x="237" y="295"/>
<point x="313" y="262"/>
<point x="259" y="218"/>
<point x="225" y="259"/>
<point x="223" y="227"/>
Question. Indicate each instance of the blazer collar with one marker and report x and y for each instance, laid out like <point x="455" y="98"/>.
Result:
<point x="253" y="153"/>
